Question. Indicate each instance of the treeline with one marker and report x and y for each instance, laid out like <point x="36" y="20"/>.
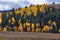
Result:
<point x="36" y="18"/>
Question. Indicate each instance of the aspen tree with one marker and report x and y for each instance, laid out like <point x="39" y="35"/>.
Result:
<point x="20" y="28"/>
<point x="37" y="27"/>
<point x="33" y="27"/>
<point x="28" y="26"/>
<point x="46" y="28"/>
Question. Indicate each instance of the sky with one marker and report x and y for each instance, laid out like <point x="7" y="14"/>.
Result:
<point x="9" y="4"/>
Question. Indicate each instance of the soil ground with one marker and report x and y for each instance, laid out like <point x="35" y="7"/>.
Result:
<point x="29" y="36"/>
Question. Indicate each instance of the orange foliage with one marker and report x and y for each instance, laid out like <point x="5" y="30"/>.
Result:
<point x="4" y="29"/>
<point x="37" y="30"/>
<point x="28" y="29"/>
<point x="20" y="28"/>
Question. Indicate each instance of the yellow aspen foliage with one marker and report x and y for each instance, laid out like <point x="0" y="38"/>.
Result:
<point x="24" y="25"/>
<point x="21" y="11"/>
<point x="35" y="13"/>
<point x="46" y="28"/>
<point x="37" y="24"/>
<point x="11" y="13"/>
<point x="0" y="14"/>
<point x="0" y="20"/>
<point x="28" y="11"/>
<point x="27" y="24"/>
<point x="49" y="22"/>
<point x="54" y="23"/>
<point x="4" y="29"/>
<point x="59" y="30"/>
<point x="42" y="9"/>
<point x="32" y="26"/>
<point x="43" y="5"/>
<point x="37" y="30"/>
<point x="19" y="21"/>
<point x="51" y="27"/>
<point x="20" y="28"/>
<point x="34" y="8"/>
<point x="17" y="11"/>
<point x="9" y="20"/>
<point x="13" y="20"/>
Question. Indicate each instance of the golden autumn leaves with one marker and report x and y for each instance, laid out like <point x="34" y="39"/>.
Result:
<point x="28" y="26"/>
<point x="0" y="18"/>
<point x="32" y="10"/>
<point x="31" y="27"/>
